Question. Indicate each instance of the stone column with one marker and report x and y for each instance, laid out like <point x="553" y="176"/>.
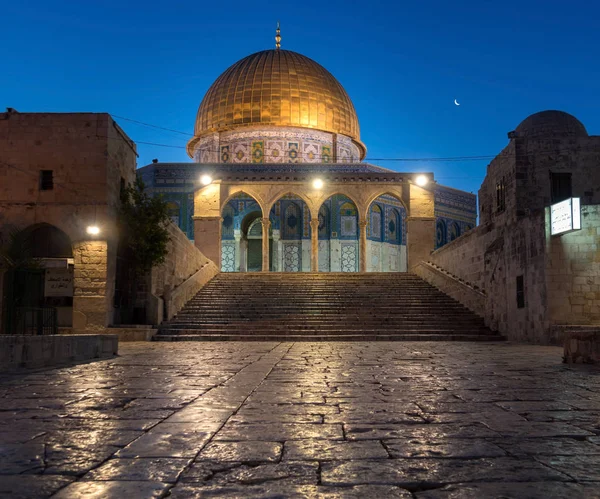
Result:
<point x="362" y="246"/>
<point x="420" y="235"/>
<point x="266" y="224"/>
<point x="237" y="235"/>
<point x="207" y="237"/>
<point x="91" y="307"/>
<point x="314" y="245"/>
<point x="276" y="251"/>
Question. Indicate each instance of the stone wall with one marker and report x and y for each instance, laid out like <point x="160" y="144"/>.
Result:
<point x="52" y="350"/>
<point x="573" y="272"/>
<point x="179" y="278"/>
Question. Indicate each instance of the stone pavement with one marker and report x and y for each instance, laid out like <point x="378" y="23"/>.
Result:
<point x="331" y="420"/>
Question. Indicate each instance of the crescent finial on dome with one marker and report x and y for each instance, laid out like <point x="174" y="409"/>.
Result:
<point x="277" y="37"/>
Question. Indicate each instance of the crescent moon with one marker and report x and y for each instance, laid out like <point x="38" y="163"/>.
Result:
<point x="456" y="102"/>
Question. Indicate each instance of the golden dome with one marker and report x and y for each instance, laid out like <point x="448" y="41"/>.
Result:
<point x="280" y="88"/>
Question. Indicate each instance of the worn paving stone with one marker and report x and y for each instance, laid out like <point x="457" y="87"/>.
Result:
<point x="284" y="491"/>
<point x="433" y="431"/>
<point x="28" y="486"/>
<point x="166" y="444"/>
<point x="331" y="450"/>
<point x="280" y="432"/>
<point x="450" y="448"/>
<point x="548" y="446"/>
<point x="165" y="470"/>
<point x="413" y="473"/>
<point x="113" y="489"/>
<point x="584" y="468"/>
<point x="531" y="490"/>
<point x="285" y="473"/>
<point x="242" y="452"/>
<point x="271" y="419"/>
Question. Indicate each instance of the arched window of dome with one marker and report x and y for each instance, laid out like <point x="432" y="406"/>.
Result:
<point x="228" y="216"/>
<point x="324" y="222"/>
<point x="440" y="233"/>
<point x="394" y="227"/>
<point x="375" y="223"/>
<point x="292" y="227"/>
<point x="454" y="231"/>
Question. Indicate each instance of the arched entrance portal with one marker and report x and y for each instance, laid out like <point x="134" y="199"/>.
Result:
<point x="241" y="234"/>
<point x="386" y="235"/>
<point x="338" y="235"/>
<point x="38" y="288"/>
<point x="290" y="235"/>
<point x="251" y="243"/>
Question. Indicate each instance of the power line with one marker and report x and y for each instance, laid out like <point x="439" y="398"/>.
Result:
<point x="481" y="157"/>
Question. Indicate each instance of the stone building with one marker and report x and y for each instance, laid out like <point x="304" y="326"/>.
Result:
<point x="269" y="127"/>
<point x="60" y="174"/>
<point x="60" y="181"/>
<point x="528" y="283"/>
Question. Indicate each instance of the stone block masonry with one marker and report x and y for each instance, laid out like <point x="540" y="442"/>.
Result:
<point x="52" y="350"/>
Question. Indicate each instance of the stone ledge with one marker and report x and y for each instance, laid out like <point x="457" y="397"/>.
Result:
<point x="44" y="351"/>
<point x="133" y="333"/>
<point x="582" y="345"/>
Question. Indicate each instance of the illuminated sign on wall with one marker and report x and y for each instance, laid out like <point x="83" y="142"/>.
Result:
<point x="565" y="216"/>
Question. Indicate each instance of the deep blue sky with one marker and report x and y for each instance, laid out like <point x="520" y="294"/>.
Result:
<point x="402" y="63"/>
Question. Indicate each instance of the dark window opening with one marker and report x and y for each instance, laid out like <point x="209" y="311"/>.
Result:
<point x="561" y="186"/>
<point x="46" y="180"/>
<point x="520" y="292"/>
<point x="500" y="196"/>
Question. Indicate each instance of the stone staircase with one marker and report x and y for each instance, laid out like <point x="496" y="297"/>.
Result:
<point x="325" y="306"/>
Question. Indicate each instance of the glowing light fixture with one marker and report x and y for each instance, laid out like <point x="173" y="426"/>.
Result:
<point x="206" y="179"/>
<point x="317" y="183"/>
<point x="421" y="180"/>
<point x="93" y="230"/>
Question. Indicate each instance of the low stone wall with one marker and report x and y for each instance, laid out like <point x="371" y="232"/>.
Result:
<point x="461" y="291"/>
<point x="185" y="270"/>
<point x="44" y="351"/>
<point x="582" y="345"/>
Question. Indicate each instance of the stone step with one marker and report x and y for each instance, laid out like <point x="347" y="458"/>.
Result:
<point x="311" y="307"/>
<point x="341" y="337"/>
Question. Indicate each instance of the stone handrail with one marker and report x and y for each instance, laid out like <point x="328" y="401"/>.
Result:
<point x="470" y="296"/>
<point x="176" y="298"/>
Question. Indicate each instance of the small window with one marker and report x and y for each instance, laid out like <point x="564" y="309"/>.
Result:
<point x="561" y="186"/>
<point x="520" y="292"/>
<point x="46" y="180"/>
<point x="500" y="196"/>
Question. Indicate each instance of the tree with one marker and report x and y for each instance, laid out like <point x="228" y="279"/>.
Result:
<point x="143" y="220"/>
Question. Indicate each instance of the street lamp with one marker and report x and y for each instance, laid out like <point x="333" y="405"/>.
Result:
<point x="421" y="180"/>
<point x="93" y="230"/>
<point x="206" y="179"/>
<point x="317" y="183"/>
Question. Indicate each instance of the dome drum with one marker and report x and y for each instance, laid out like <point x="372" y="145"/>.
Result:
<point x="276" y="145"/>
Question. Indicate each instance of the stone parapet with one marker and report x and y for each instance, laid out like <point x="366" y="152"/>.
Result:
<point x="45" y="351"/>
<point x="176" y="300"/>
<point x="454" y="287"/>
<point x="582" y="345"/>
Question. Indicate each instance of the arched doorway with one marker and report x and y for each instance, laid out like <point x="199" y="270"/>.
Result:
<point x="386" y="235"/>
<point x="441" y="233"/>
<point x="338" y="235"/>
<point x="252" y="243"/>
<point x="237" y="249"/>
<point x="38" y="287"/>
<point x="290" y="235"/>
